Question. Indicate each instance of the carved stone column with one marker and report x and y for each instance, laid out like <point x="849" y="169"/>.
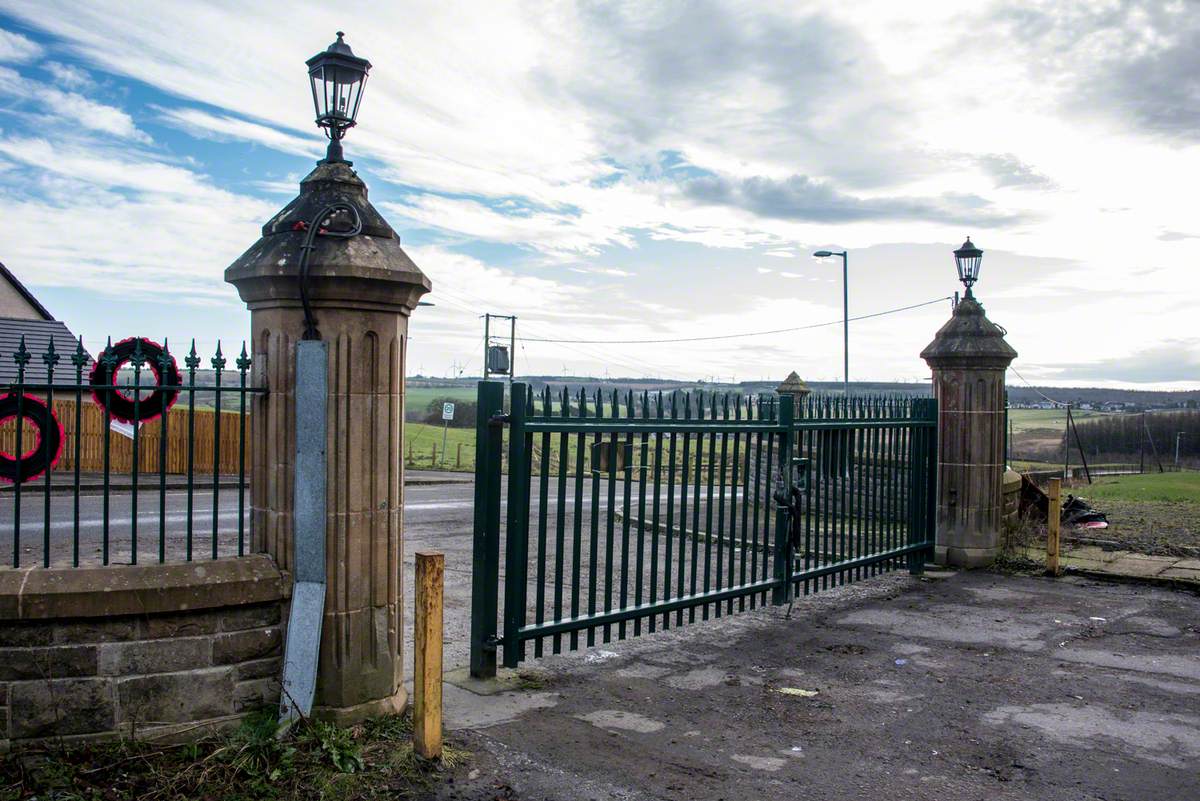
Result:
<point x="969" y="356"/>
<point x="362" y="288"/>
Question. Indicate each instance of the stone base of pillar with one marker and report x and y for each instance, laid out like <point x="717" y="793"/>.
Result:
<point x="348" y="715"/>
<point x="964" y="557"/>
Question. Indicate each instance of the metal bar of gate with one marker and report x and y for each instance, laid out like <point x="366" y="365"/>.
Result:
<point x="485" y="563"/>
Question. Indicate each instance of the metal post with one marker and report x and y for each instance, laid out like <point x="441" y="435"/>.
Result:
<point x="845" y="325"/>
<point x="516" y="552"/>
<point x="512" y="356"/>
<point x="782" y="593"/>
<point x="487" y="341"/>
<point x="1067" y="446"/>
<point x="308" y="590"/>
<point x="1178" y="436"/>
<point x="485" y="562"/>
<point x="1142" y="445"/>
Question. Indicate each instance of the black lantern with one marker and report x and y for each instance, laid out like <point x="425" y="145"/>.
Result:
<point x="338" y="77"/>
<point x="967" y="259"/>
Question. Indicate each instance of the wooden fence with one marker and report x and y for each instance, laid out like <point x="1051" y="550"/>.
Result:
<point x="90" y="436"/>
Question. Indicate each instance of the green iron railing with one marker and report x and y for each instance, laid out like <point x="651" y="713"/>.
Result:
<point x="92" y="512"/>
<point x="628" y="512"/>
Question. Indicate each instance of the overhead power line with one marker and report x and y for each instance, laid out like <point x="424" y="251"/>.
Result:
<point x="732" y="336"/>
<point x="1045" y="397"/>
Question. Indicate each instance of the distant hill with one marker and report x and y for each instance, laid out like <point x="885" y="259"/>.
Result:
<point x="1130" y="399"/>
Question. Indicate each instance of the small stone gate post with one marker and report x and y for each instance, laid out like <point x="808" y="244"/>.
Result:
<point x="969" y="356"/>
<point x="362" y="287"/>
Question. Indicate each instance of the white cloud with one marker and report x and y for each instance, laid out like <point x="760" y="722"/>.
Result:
<point x="45" y="101"/>
<point x="223" y="127"/>
<point x="16" y="48"/>
<point x="68" y="75"/>
<point x="569" y="131"/>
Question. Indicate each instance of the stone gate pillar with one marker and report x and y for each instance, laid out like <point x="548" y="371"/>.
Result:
<point x="362" y="287"/>
<point x="969" y="356"/>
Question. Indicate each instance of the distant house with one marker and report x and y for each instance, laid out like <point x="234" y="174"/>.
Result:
<point x="22" y="315"/>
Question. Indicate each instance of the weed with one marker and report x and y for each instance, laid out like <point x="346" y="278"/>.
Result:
<point x="255" y="762"/>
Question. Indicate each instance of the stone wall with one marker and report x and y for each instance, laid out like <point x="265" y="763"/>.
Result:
<point x="148" y="652"/>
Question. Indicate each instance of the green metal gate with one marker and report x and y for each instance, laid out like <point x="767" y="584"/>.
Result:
<point x="626" y="513"/>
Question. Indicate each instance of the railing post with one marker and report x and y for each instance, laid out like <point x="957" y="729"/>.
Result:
<point x="485" y="562"/>
<point x="916" y="498"/>
<point x="516" y="552"/>
<point x="782" y="593"/>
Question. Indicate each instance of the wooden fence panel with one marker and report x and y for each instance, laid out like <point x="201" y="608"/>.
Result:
<point x="91" y="441"/>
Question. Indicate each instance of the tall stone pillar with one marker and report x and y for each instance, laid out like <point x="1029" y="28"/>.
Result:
<point x="969" y="356"/>
<point x="362" y="287"/>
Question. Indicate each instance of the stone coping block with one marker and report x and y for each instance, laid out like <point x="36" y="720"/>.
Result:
<point x="38" y="593"/>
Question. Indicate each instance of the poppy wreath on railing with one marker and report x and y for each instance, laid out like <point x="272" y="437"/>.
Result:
<point x="42" y="456"/>
<point x="123" y="407"/>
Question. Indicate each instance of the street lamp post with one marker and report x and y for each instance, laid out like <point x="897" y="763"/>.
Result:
<point x="822" y="254"/>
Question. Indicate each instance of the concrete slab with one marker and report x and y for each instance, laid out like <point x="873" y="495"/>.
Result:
<point x="976" y="686"/>
<point x="1139" y="566"/>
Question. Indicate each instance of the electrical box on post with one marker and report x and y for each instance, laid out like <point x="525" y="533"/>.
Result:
<point x="498" y="361"/>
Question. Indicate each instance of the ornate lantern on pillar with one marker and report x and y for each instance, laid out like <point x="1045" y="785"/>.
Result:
<point x="967" y="259"/>
<point x="338" y="78"/>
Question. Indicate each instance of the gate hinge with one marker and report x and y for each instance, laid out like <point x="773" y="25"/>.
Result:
<point x="499" y="419"/>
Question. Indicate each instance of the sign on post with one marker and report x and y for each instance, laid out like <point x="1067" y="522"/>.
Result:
<point x="447" y="416"/>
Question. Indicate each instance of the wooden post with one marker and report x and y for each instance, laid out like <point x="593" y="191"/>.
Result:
<point x="458" y="457"/>
<point x="433" y="457"/>
<point x="427" y="655"/>
<point x="1053" y="539"/>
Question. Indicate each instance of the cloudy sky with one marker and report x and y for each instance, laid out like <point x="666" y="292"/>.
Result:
<point x="636" y="171"/>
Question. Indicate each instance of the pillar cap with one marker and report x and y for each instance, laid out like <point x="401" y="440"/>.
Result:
<point x="969" y="340"/>
<point x="793" y="385"/>
<point x="367" y="271"/>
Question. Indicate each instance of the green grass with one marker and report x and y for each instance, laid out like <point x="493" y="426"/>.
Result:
<point x="417" y="398"/>
<point x="421" y="438"/>
<point x="1167" y="487"/>
<point x="1023" y="420"/>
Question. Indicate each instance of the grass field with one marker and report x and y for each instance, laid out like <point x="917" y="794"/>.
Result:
<point x="1156" y="513"/>
<point x="1165" y="487"/>
<point x="417" y="398"/>
<point x="1030" y="419"/>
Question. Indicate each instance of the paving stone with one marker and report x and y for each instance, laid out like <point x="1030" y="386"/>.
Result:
<point x="1186" y="574"/>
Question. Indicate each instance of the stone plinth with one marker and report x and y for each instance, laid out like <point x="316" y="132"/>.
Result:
<point x="969" y="356"/>
<point x="362" y="289"/>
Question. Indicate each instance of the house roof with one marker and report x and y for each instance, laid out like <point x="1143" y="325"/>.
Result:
<point x="7" y="275"/>
<point x="38" y="335"/>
